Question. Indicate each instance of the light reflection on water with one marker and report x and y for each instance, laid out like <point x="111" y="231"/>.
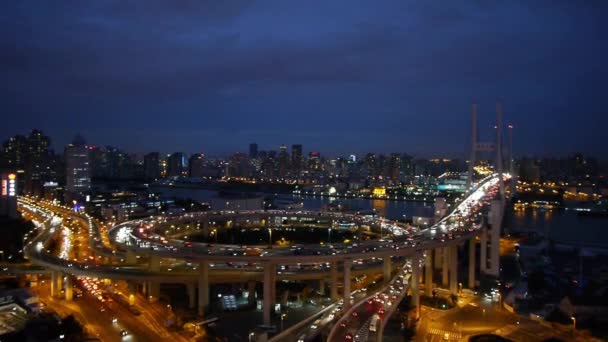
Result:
<point x="562" y="226"/>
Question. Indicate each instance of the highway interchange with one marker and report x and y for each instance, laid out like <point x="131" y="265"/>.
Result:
<point x="141" y="237"/>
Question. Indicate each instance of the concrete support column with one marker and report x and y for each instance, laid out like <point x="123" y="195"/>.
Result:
<point x="154" y="264"/>
<point x="153" y="291"/>
<point x="273" y="288"/>
<point x="453" y="268"/>
<point x="54" y="289"/>
<point x="483" y="251"/>
<point x="132" y="291"/>
<point x="191" y="295"/>
<point x="206" y="227"/>
<point x="496" y="211"/>
<point x="346" y="295"/>
<point x="386" y="269"/>
<point x="131" y="257"/>
<point x="322" y="286"/>
<point x="428" y="273"/>
<point x="59" y="282"/>
<point x="203" y="287"/>
<point x="251" y="289"/>
<point x="438" y="259"/>
<point x="69" y="290"/>
<point x="415" y="284"/>
<point x="268" y="285"/>
<point x="472" y="264"/>
<point x="334" y="280"/>
<point x="445" y="257"/>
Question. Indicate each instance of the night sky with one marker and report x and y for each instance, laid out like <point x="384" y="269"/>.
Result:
<point x="335" y="76"/>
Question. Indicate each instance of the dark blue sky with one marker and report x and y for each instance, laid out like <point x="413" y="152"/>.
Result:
<point x="335" y="76"/>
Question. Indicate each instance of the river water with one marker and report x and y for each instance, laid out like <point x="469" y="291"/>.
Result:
<point x="561" y="225"/>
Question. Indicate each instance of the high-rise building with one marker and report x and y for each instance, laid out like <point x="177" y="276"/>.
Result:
<point x="369" y="163"/>
<point x="152" y="166"/>
<point x="14" y="151"/>
<point x="314" y="161"/>
<point x="97" y="162"/>
<point x="196" y="164"/>
<point x="296" y="158"/>
<point x="395" y="166"/>
<point x="36" y="162"/>
<point x="283" y="161"/>
<point x="407" y="167"/>
<point x="238" y="166"/>
<point x="253" y="150"/>
<point x="78" y="177"/>
<point x="176" y="164"/>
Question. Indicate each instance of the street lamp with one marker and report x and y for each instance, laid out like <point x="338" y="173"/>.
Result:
<point x="282" y="319"/>
<point x="270" y="237"/>
<point x="251" y="336"/>
<point x="573" y="325"/>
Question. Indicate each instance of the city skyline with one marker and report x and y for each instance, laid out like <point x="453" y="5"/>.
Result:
<point x="398" y="77"/>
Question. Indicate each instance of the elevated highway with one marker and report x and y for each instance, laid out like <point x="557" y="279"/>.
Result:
<point x="209" y="262"/>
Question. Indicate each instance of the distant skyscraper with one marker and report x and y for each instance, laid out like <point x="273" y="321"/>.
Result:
<point x="395" y="166"/>
<point x="14" y="151"/>
<point x="37" y="162"/>
<point x="283" y="161"/>
<point x="314" y="161"/>
<point x="196" y="164"/>
<point x="152" y="165"/>
<point x="176" y="164"/>
<point x="238" y="166"/>
<point x="253" y="151"/>
<point x="296" y="158"/>
<point x="78" y="178"/>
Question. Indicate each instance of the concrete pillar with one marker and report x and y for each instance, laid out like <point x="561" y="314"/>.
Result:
<point x="472" y="264"/>
<point x="483" y="251"/>
<point x="131" y="257"/>
<point x="69" y="290"/>
<point x="191" y="295"/>
<point x="415" y="285"/>
<point x="153" y="291"/>
<point x="445" y="257"/>
<point x="346" y="287"/>
<point x="453" y="269"/>
<point x="54" y="289"/>
<point x="386" y="269"/>
<point x="428" y="273"/>
<point x="268" y="285"/>
<point x="322" y="286"/>
<point x="154" y="264"/>
<point x="438" y="259"/>
<point x="334" y="280"/>
<point x="59" y="282"/>
<point x="251" y="289"/>
<point x="496" y="211"/>
<point x="273" y="287"/>
<point x="206" y="229"/>
<point x="203" y="287"/>
<point x="132" y="291"/>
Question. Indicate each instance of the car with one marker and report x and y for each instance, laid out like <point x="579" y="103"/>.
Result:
<point x="124" y="333"/>
<point x="348" y="337"/>
<point x="355" y="314"/>
<point x="114" y="320"/>
<point x="343" y="324"/>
